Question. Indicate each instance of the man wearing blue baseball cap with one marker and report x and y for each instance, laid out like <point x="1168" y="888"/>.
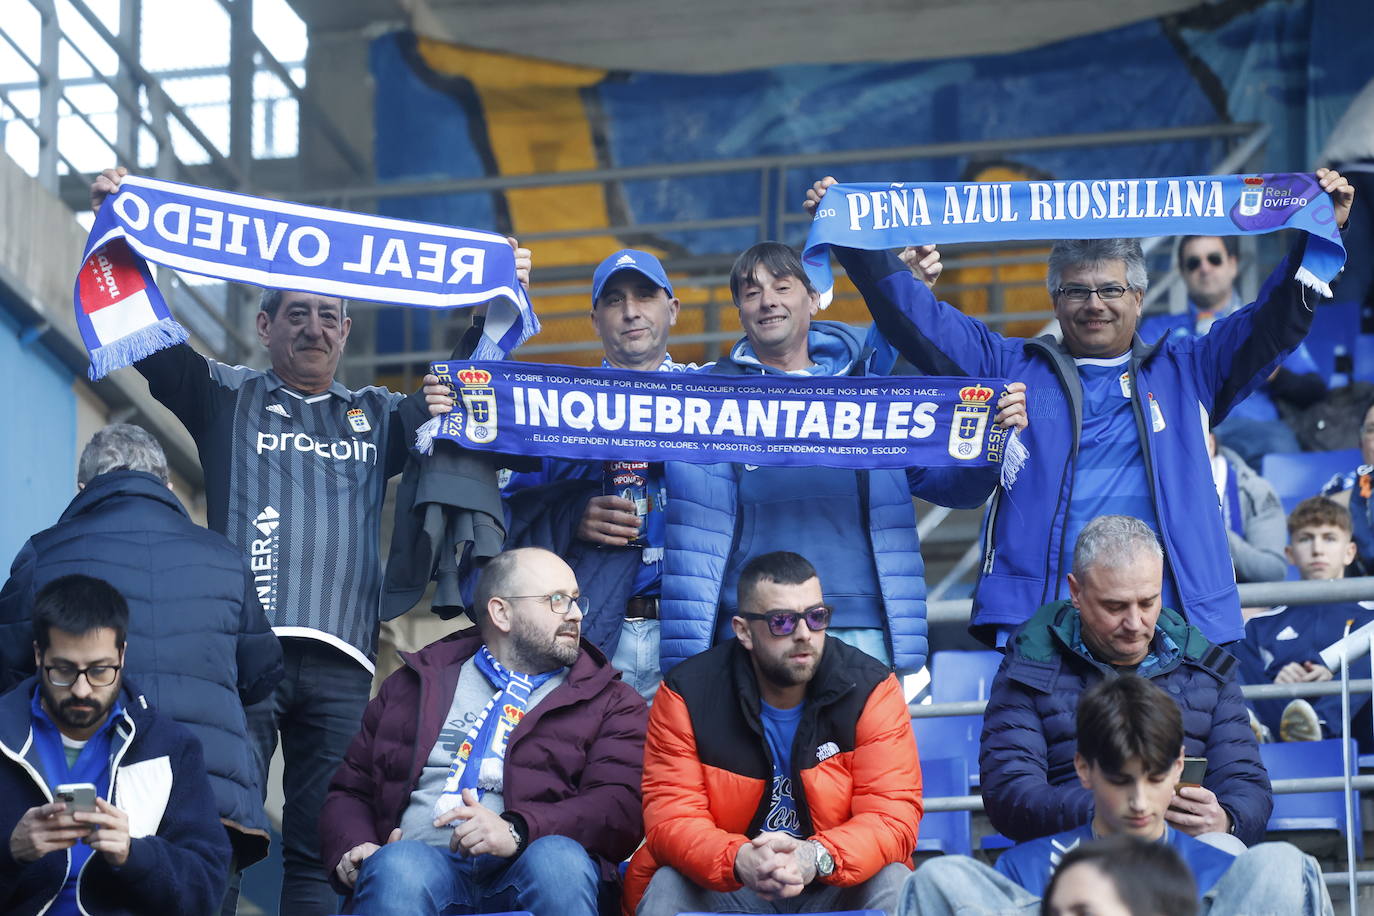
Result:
<point x="612" y="544"/>
<point x="632" y="309"/>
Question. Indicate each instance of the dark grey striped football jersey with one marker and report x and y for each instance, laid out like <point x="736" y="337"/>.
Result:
<point x="297" y="482"/>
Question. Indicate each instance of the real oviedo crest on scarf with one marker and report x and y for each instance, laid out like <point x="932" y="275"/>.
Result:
<point x="970" y="423"/>
<point x="473" y="389"/>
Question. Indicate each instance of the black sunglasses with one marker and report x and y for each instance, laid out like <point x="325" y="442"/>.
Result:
<point x="782" y="623"/>
<point x="1194" y="262"/>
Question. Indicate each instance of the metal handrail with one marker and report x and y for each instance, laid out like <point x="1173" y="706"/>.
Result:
<point x="1278" y="787"/>
<point x="1252" y="594"/>
<point x="351" y="157"/>
<point x="1249" y="691"/>
<point x="154" y="87"/>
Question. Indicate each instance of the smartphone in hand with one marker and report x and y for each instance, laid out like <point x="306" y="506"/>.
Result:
<point x="78" y="796"/>
<point x="1194" y="769"/>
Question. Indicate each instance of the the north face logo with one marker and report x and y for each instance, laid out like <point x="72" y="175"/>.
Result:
<point x="826" y="751"/>
<point x="267" y="521"/>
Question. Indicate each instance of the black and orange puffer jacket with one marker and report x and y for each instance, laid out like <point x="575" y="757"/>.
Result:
<point x="707" y="769"/>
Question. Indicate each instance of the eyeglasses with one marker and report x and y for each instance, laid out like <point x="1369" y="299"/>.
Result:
<point x="782" y="623"/>
<point x="559" y="602"/>
<point x="1193" y="262"/>
<point x="96" y="675"/>
<point x="1082" y="293"/>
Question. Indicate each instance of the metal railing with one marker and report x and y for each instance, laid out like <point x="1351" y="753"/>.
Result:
<point x="778" y="215"/>
<point x="146" y="112"/>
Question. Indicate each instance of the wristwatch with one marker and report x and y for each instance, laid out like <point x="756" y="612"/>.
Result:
<point x="516" y="833"/>
<point x="825" y="863"/>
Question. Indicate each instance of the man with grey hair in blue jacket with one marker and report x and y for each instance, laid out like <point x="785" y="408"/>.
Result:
<point x="1115" y="428"/>
<point x="859" y="526"/>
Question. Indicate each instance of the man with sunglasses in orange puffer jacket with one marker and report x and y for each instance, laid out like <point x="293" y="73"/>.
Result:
<point x="780" y="769"/>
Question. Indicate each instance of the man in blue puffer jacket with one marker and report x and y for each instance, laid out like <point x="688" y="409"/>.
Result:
<point x="1115" y="420"/>
<point x="1113" y="625"/>
<point x="858" y="525"/>
<point x="200" y="646"/>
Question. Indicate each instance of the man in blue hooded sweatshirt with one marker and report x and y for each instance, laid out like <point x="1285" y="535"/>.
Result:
<point x="859" y="525"/>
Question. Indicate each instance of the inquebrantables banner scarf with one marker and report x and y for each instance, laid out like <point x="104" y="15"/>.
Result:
<point x="615" y="414"/>
<point x="123" y="316"/>
<point x="896" y="214"/>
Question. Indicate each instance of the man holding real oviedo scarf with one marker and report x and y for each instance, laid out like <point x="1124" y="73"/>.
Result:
<point x="1114" y="420"/>
<point x="1115" y="426"/>
<point x="296" y="466"/>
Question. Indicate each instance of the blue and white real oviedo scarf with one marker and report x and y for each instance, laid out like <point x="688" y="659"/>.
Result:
<point x="479" y="761"/>
<point x="123" y="317"/>
<point x="896" y="214"/>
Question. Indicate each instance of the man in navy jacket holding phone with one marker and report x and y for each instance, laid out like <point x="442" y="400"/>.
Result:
<point x="153" y="843"/>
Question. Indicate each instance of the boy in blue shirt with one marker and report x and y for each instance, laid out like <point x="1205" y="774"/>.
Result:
<point x="1130" y="756"/>
<point x="1284" y="645"/>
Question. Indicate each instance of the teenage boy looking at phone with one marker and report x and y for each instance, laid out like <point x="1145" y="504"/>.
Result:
<point x="1130" y="757"/>
<point x="153" y="843"/>
<point x="1284" y="645"/>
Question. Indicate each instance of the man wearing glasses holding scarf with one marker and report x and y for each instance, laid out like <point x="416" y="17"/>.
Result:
<point x="780" y="770"/>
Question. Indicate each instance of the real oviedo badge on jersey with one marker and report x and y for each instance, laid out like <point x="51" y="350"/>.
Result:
<point x="479" y="400"/>
<point x="357" y="420"/>
<point x="970" y="422"/>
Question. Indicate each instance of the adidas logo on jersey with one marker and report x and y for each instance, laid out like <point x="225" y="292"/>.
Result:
<point x="278" y="410"/>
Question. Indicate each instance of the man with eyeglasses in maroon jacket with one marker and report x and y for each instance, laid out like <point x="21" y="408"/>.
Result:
<point x="498" y="769"/>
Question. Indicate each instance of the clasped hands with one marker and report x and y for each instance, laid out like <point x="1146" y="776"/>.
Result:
<point x="775" y="865"/>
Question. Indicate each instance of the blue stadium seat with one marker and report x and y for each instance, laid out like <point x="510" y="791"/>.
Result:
<point x="948" y="832"/>
<point x="957" y="677"/>
<point x="1298" y="475"/>
<point x="1364" y="358"/>
<point x="1333" y="325"/>
<point x="1311" y="810"/>
<point x="827" y="913"/>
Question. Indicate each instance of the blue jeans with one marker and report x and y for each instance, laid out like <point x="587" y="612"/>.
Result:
<point x="554" y="876"/>
<point x="636" y="657"/>
<point x="317" y="707"/>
